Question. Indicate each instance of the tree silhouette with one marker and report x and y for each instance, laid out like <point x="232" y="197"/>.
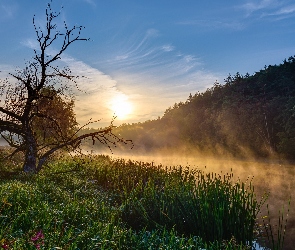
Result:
<point x="36" y="116"/>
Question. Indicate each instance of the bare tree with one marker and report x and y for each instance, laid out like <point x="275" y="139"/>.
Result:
<point x="28" y="121"/>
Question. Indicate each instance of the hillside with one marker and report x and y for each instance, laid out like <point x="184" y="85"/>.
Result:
<point x="251" y="115"/>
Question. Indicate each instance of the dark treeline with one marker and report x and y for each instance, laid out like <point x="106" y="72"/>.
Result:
<point x="251" y="115"/>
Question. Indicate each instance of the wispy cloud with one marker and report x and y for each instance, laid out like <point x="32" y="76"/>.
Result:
<point x="284" y="12"/>
<point x="5" y="70"/>
<point x="8" y="11"/>
<point x="267" y="8"/>
<point x="91" y="2"/>
<point x="252" y="6"/>
<point x="30" y="43"/>
<point x="214" y="24"/>
<point x="155" y="74"/>
<point x="147" y="56"/>
<point x="168" y="47"/>
<point x="239" y="17"/>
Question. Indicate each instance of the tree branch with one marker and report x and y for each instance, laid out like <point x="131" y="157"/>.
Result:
<point x="10" y="113"/>
<point x="101" y="136"/>
<point x="11" y="127"/>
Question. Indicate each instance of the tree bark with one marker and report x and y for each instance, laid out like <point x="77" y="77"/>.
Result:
<point x="30" y="154"/>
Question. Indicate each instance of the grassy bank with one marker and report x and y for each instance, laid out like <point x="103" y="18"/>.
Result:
<point x="99" y="203"/>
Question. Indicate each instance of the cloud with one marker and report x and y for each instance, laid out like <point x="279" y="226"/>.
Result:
<point x="30" y="43"/>
<point x="97" y="91"/>
<point x="266" y="8"/>
<point x="5" y="70"/>
<point x="91" y="2"/>
<point x="122" y="57"/>
<point x="148" y="56"/>
<point x="258" y="5"/>
<point x="283" y="12"/>
<point x="8" y="11"/>
<point x="238" y="17"/>
<point x="151" y="96"/>
<point x="168" y="47"/>
<point x="214" y="24"/>
<point x="155" y="74"/>
<point x="286" y="10"/>
<point x="152" y="33"/>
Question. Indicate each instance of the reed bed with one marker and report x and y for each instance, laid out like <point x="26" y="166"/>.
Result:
<point x="100" y="203"/>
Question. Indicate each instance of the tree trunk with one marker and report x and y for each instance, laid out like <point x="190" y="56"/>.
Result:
<point x="31" y="154"/>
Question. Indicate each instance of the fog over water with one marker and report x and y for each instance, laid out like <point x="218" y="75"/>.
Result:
<point x="273" y="177"/>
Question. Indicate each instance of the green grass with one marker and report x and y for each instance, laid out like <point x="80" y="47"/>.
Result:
<point x="99" y="203"/>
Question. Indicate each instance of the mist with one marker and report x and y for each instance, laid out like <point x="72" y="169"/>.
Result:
<point x="270" y="177"/>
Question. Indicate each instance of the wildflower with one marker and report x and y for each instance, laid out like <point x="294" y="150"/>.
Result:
<point x="38" y="239"/>
<point x="38" y="235"/>
<point x="3" y="244"/>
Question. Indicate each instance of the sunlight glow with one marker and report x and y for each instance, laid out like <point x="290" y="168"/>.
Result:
<point x="121" y="106"/>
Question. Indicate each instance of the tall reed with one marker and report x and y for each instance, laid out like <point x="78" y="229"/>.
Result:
<point x="194" y="203"/>
<point x="275" y="233"/>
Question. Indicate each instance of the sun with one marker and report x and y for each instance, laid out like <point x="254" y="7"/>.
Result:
<point x="121" y="107"/>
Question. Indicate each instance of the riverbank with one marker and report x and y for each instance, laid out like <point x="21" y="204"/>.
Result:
<point x="100" y="203"/>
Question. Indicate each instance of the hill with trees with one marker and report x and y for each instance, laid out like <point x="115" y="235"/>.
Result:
<point x="250" y="115"/>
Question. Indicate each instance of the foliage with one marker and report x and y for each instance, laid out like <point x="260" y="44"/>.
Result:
<point x="63" y="119"/>
<point x="90" y="203"/>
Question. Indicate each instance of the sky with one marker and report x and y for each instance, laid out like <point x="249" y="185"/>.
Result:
<point x="144" y="56"/>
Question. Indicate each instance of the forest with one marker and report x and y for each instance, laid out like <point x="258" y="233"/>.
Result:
<point x="246" y="116"/>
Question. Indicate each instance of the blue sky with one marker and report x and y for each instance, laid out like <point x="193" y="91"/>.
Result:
<point x="144" y="56"/>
